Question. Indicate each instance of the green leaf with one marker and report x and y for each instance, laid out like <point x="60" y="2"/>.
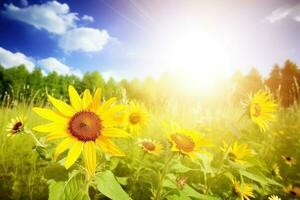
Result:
<point x="255" y="177"/>
<point x="176" y="197"/>
<point x="189" y="191"/>
<point x="76" y="188"/>
<point x="56" y="190"/>
<point x="109" y="186"/>
<point x="178" y="167"/>
<point x="56" y="172"/>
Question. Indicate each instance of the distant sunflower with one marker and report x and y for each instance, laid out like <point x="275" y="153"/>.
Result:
<point x="292" y="190"/>
<point x="244" y="191"/>
<point x="274" y="197"/>
<point x="289" y="160"/>
<point x="261" y="108"/>
<point x="150" y="146"/>
<point x="83" y="125"/>
<point x="16" y="126"/>
<point x="238" y="152"/>
<point x="136" y="118"/>
<point x="188" y="142"/>
<point x="276" y="170"/>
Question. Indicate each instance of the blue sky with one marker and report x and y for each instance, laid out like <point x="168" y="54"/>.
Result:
<point x="134" y="38"/>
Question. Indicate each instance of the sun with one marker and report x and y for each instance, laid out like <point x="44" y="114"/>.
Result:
<point x="197" y="58"/>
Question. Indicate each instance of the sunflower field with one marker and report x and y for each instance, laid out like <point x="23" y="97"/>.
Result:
<point x="90" y="147"/>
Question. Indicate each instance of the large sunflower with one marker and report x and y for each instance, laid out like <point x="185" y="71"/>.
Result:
<point x="261" y="108"/>
<point x="188" y="142"/>
<point x="136" y="118"/>
<point x="83" y="126"/>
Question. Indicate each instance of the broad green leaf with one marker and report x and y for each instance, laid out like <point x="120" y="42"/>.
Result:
<point x="76" y="189"/>
<point x="56" y="172"/>
<point x="56" y="190"/>
<point x="178" y="167"/>
<point x="189" y="191"/>
<point x="109" y="186"/>
<point x="176" y="197"/>
<point x="255" y="177"/>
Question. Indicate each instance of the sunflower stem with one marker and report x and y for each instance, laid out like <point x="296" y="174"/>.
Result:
<point x="37" y="142"/>
<point x="162" y="177"/>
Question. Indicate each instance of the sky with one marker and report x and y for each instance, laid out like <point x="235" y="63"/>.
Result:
<point x="204" y="39"/>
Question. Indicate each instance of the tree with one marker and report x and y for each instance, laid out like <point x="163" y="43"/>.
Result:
<point x="253" y="81"/>
<point x="93" y="80"/>
<point x="274" y="80"/>
<point x="289" y="74"/>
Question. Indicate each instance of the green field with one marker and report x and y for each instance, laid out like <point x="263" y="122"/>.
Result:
<point x="28" y="171"/>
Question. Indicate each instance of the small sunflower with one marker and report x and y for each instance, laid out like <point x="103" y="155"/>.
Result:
<point x="84" y="125"/>
<point x="238" y="152"/>
<point x="244" y="190"/>
<point x="150" y="146"/>
<point x="276" y="170"/>
<point x="274" y="197"/>
<point x="292" y="190"/>
<point x="136" y="118"/>
<point x="261" y="108"/>
<point x="188" y="142"/>
<point x="16" y="126"/>
<point x="289" y="160"/>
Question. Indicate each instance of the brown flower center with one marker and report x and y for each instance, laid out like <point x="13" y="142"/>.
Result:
<point x="17" y="127"/>
<point x="134" y="118"/>
<point x="149" y="146"/>
<point x="288" y="158"/>
<point x="183" y="142"/>
<point x="293" y="193"/>
<point x="231" y="156"/>
<point x="85" y="126"/>
<point x="256" y="110"/>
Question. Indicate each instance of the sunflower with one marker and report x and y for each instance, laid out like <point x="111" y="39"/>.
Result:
<point x="136" y="118"/>
<point x="238" y="152"/>
<point x="274" y="197"/>
<point x="276" y="170"/>
<point x="244" y="190"/>
<point x="292" y="190"/>
<point x="83" y="126"/>
<point x="289" y="160"/>
<point x="261" y="107"/>
<point x="16" y="126"/>
<point x="150" y="146"/>
<point x="187" y="142"/>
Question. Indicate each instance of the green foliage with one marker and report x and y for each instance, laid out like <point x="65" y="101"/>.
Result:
<point x="109" y="186"/>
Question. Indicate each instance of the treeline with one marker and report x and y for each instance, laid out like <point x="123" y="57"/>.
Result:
<point x="17" y="84"/>
<point x="283" y="82"/>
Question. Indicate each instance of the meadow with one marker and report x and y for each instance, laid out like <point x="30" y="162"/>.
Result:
<point x="175" y="151"/>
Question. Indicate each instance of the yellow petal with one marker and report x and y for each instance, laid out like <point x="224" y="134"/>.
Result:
<point x="89" y="154"/>
<point x="96" y="101"/>
<point x="114" y="132"/>
<point x="108" y="146"/>
<point x="55" y="135"/>
<point x="87" y="99"/>
<point x="74" y="153"/>
<point x="62" y="107"/>
<point x="51" y="127"/>
<point x="63" y="146"/>
<point x="49" y="114"/>
<point x="75" y="98"/>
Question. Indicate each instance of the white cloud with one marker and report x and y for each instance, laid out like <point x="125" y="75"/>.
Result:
<point x="52" y="16"/>
<point x="52" y="64"/>
<point x="87" y="18"/>
<point x="288" y="11"/>
<point x="9" y="59"/>
<point x="84" y="39"/>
